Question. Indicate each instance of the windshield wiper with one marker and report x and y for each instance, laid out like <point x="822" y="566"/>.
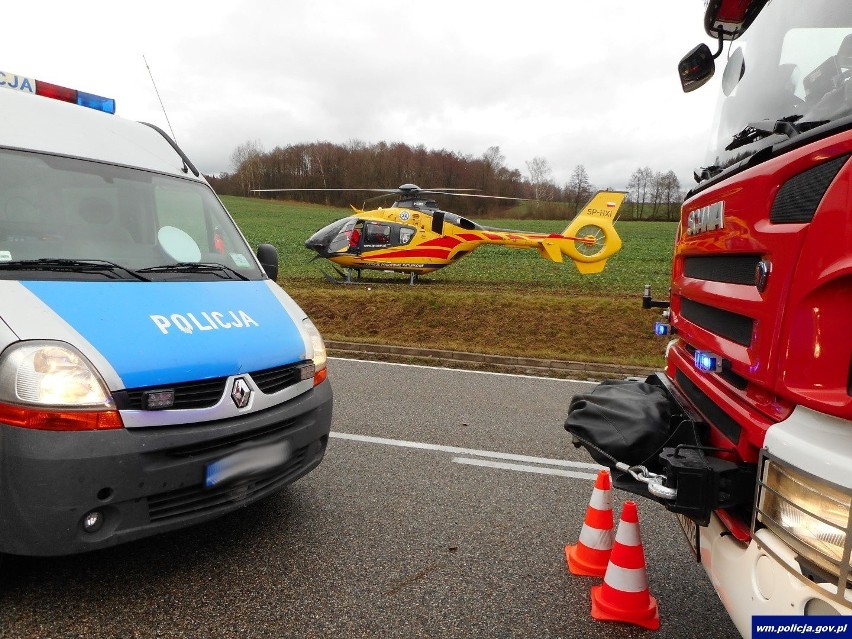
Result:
<point x="193" y="267"/>
<point x="789" y="126"/>
<point x="70" y="266"/>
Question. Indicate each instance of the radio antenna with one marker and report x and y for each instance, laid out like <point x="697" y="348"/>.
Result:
<point x="174" y="137"/>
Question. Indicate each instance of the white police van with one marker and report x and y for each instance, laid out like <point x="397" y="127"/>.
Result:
<point x="152" y="373"/>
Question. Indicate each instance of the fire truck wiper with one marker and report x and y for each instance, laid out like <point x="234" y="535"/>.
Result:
<point x="789" y="126"/>
<point x="70" y="266"/>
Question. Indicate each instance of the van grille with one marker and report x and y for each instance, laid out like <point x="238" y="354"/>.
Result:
<point x="200" y="394"/>
<point x="206" y="393"/>
<point x="221" y="444"/>
<point x="733" y="326"/>
<point x="197" y="500"/>
<point x="272" y="380"/>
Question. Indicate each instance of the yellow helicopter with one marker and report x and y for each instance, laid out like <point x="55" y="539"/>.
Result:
<point x="414" y="236"/>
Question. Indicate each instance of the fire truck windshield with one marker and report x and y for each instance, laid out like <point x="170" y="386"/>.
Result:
<point x="787" y="74"/>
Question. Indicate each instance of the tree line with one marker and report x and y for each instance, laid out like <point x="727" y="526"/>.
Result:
<point x="358" y="165"/>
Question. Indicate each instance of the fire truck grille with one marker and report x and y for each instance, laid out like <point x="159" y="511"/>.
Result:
<point x="730" y="269"/>
<point x="733" y="326"/>
<point x="711" y="411"/>
<point x="799" y="197"/>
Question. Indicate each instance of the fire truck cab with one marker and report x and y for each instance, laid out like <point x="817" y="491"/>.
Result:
<point x="751" y="436"/>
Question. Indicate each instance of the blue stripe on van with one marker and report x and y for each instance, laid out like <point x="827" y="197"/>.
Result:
<point x="168" y="332"/>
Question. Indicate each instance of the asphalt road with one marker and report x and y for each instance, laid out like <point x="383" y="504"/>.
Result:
<point x="418" y="523"/>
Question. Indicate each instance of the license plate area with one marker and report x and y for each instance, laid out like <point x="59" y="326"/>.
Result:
<point x="690" y="531"/>
<point x="247" y="463"/>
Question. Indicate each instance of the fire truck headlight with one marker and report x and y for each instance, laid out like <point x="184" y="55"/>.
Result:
<point x="50" y="374"/>
<point x="809" y="514"/>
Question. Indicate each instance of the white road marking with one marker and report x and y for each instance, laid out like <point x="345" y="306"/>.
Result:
<point x="542" y="470"/>
<point x="455" y="450"/>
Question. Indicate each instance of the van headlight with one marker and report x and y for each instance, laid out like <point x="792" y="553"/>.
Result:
<point x="809" y="514"/>
<point x="320" y="356"/>
<point x="50" y="374"/>
<point x="52" y="386"/>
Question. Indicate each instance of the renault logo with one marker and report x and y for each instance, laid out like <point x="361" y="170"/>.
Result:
<point x="240" y="393"/>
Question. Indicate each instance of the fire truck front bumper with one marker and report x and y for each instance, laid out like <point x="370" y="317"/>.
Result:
<point x="750" y="581"/>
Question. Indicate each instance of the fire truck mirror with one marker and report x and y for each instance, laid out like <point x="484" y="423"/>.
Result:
<point x="696" y="68"/>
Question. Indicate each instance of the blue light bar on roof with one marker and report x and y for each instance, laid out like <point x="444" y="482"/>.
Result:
<point x="97" y="102"/>
<point x="57" y="92"/>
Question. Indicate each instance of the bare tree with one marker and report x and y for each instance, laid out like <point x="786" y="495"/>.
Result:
<point x="247" y="160"/>
<point x="671" y="195"/>
<point x="639" y="185"/>
<point x="540" y="180"/>
<point x="578" y="189"/>
<point x="493" y="164"/>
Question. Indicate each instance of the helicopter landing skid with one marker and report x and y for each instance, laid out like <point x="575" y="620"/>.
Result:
<point x="345" y="277"/>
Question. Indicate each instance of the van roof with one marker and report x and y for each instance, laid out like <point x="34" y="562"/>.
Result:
<point x="35" y="123"/>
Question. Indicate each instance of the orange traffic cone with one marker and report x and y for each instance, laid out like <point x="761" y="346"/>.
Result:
<point x="624" y="594"/>
<point x="590" y="555"/>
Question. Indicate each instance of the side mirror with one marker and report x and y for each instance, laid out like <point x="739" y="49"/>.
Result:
<point x="696" y="68"/>
<point x="268" y="257"/>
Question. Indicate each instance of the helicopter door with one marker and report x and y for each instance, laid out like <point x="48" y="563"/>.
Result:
<point x="376" y="235"/>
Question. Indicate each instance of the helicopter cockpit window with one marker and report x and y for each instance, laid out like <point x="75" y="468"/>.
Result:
<point x="405" y="234"/>
<point x="376" y="235"/>
<point x="338" y="233"/>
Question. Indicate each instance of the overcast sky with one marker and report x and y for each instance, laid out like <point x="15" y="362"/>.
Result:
<point x="592" y="83"/>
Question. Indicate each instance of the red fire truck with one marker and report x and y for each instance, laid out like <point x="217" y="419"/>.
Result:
<point x="746" y="436"/>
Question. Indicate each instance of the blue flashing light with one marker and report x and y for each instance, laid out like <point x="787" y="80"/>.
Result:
<point x="708" y="362"/>
<point x="56" y="92"/>
<point x="662" y="328"/>
<point x="97" y="102"/>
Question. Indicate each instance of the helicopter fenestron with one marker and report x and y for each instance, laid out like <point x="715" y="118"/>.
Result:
<point x="414" y="236"/>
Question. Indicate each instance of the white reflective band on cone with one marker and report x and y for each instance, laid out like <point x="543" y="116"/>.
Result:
<point x="601" y="499"/>
<point x="595" y="538"/>
<point x="626" y="579"/>
<point x="628" y="535"/>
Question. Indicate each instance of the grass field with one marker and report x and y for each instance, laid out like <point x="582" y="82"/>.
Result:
<point x="496" y="300"/>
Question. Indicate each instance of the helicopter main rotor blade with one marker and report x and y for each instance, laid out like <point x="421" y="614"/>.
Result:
<point x="281" y="190"/>
<point x="490" y="197"/>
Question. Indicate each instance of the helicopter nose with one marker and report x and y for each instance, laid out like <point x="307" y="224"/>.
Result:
<point x="317" y="243"/>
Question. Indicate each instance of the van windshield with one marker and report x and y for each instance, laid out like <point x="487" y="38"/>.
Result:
<point x="60" y="218"/>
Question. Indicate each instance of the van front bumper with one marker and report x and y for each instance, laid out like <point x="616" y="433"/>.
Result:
<point x="146" y="481"/>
